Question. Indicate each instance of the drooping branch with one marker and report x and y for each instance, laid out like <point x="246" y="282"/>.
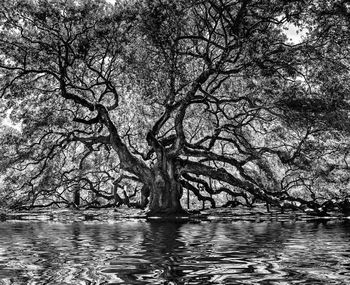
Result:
<point x="210" y="190"/>
<point x="197" y="193"/>
<point x="223" y="175"/>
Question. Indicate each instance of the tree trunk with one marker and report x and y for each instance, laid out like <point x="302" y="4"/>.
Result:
<point x="145" y="193"/>
<point x="76" y="195"/>
<point x="165" y="194"/>
<point x="117" y="199"/>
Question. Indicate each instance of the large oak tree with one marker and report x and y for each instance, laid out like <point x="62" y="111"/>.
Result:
<point x="202" y="95"/>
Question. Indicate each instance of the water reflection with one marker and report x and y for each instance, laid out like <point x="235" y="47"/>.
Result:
<point x="139" y="252"/>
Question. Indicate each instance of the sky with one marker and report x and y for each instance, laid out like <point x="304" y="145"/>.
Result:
<point x="294" y="34"/>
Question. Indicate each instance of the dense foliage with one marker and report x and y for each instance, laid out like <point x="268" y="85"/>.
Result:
<point x="154" y="97"/>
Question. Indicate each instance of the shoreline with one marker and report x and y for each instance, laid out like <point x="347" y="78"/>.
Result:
<point x="207" y="215"/>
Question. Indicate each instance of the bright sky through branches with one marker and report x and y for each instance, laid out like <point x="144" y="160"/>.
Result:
<point x="294" y="34"/>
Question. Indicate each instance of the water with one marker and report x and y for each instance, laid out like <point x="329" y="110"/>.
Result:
<point x="140" y="252"/>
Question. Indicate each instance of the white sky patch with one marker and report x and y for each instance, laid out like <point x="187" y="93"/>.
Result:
<point x="295" y="34"/>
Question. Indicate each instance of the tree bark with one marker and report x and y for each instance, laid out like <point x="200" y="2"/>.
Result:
<point x="165" y="191"/>
<point x="144" y="199"/>
<point x="76" y="195"/>
<point x="117" y="199"/>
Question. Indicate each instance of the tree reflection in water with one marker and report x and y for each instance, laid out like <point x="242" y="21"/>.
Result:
<point x="139" y="252"/>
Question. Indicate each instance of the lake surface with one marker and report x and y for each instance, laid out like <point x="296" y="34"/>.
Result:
<point x="141" y="252"/>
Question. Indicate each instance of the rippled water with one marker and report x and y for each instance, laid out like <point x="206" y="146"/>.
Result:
<point x="140" y="252"/>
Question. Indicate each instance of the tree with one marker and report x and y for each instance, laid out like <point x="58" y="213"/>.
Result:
<point x="172" y="93"/>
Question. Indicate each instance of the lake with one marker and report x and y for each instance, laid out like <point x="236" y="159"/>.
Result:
<point x="142" y="252"/>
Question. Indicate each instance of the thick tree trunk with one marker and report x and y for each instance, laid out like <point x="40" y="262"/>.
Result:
<point x="165" y="195"/>
<point x="165" y="190"/>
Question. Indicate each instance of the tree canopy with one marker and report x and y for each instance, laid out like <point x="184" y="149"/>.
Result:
<point x="161" y="95"/>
